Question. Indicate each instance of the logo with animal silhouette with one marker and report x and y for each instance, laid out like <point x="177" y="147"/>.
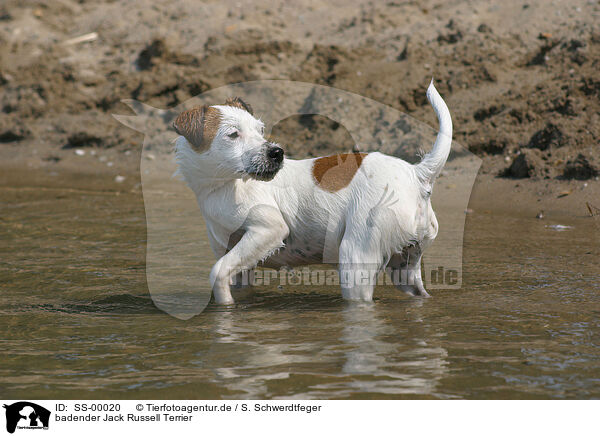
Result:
<point x="318" y="192"/>
<point x="26" y="415"/>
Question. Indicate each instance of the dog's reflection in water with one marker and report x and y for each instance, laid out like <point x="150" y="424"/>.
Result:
<point x="344" y="350"/>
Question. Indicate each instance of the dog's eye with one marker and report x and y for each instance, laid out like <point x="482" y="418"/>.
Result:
<point x="234" y="135"/>
<point x="262" y="130"/>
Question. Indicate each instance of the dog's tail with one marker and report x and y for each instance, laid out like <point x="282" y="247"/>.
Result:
<point x="430" y="167"/>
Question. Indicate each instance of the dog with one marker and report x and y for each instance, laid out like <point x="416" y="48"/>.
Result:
<point x="365" y="211"/>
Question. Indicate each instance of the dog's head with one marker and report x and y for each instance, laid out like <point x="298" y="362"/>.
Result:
<point x="231" y="136"/>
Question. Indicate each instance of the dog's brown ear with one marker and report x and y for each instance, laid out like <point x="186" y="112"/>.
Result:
<point x="198" y="125"/>
<point x="239" y="103"/>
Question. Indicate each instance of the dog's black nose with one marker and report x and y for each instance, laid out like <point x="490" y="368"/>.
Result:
<point x="275" y="154"/>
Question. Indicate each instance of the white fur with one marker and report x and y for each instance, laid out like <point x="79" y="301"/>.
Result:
<point x="382" y="218"/>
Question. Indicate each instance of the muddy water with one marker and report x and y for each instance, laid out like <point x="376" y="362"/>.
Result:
<point x="77" y="320"/>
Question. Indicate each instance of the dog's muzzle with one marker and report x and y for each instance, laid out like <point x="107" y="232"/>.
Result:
<point x="267" y="166"/>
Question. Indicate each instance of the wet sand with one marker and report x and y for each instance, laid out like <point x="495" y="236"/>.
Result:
<point x="520" y="78"/>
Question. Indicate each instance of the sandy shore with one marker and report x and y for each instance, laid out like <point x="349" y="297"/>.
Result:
<point x="519" y="77"/>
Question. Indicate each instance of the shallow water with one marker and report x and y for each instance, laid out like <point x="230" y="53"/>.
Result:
<point x="77" y="320"/>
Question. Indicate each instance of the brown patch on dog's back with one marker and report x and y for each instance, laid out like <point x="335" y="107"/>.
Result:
<point x="199" y="126"/>
<point x="333" y="173"/>
<point x="239" y="103"/>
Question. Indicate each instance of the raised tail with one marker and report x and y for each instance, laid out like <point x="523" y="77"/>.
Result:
<point x="433" y="162"/>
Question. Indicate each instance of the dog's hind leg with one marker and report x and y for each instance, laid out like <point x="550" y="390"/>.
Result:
<point x="359" y="263"/>
<point x="405" y="269"/>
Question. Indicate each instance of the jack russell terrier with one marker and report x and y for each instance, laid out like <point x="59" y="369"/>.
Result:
<point x="374" y="209"/>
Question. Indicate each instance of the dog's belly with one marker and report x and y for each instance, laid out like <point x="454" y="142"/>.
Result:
<point x="301" y="248"/>
<point x="293" y="256"/>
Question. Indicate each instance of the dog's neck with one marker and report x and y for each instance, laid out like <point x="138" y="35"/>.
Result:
<point x="200" y="173"/>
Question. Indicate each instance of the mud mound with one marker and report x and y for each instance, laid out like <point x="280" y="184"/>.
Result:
<point x="311" y="136"/>
<point x="515" y="78"/>
<point x="580" y="169"/>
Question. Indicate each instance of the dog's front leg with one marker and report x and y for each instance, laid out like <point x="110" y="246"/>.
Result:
<point x="258" y="243"/>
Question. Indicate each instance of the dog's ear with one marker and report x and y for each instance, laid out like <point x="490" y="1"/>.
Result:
<point x="199" y="126"/>
<point x="239" y="103"/>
